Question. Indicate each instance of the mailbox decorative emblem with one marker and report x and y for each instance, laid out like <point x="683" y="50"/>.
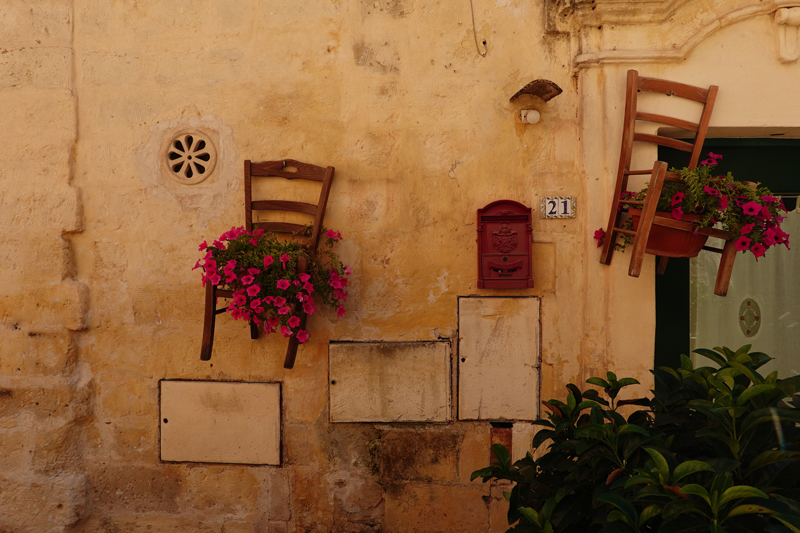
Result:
<point x="504" y="246"/>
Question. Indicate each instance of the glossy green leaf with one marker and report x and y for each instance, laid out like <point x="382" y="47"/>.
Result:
<point x="599" y="382"/>
<point x="690" y="467"/>
<point x="714" y="356"/>
<point x="503" y="457"/>
<point x="680" y="506"/>
<point x="622" y="504"/>
<point x="531" y="515"/>
<point x="483" y="472"/>
<point x="632" y="428"/>
<point x="649" y="512"/>
<point x="616" y="515"/>
<point x="697" y="490"/>
<point x="741" y="491"/>
<point x="625" y="382"/>
<point x="748" y="508"/>
<point x="754" y="391"/>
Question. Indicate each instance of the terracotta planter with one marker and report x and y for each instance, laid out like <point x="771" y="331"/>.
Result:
<point x="670" y="242"/>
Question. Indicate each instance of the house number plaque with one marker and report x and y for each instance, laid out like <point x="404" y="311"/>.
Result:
<point x="557" y="207"/>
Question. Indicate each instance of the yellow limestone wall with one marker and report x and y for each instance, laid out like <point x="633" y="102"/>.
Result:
<point x="99" y="302"/>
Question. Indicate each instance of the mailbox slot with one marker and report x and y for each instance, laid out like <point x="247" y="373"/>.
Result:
<point x="504" y="246"/>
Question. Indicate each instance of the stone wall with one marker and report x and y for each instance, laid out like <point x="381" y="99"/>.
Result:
<point x="100" y="302"/>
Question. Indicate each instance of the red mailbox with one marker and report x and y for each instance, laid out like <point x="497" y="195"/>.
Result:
<point x="504" y="246"/>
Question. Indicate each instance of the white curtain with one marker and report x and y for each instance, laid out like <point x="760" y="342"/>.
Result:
<point x="771" y="287"/>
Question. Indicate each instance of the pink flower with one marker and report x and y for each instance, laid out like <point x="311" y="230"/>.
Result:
<point x="758" y="250"/>
<point x="764" y="214"/>
<point x="712" y="155"/>
<point x="347" y="271"/>
<point x="743" y="243"/>
<point x="196" y="265"/>
<point x="239" y="298"/>
<point x="254" y="289"/>
<point x="769" y="198"/>
<point x="677" y="199"/>
<point x="283" y="284"/>
<point x="273" y="321"/>
<point x="236" y="314"/>
<point x="210" y="264"/>
<point x="254" y="242"/>
<point x="723" y="203"/>
<point x="599" y="236"/>
<point x="302" y="336"/>
<point x="284" y="310"/>
<point x="284" y="259"/>
<point x="293" y="321"/>
<point x="203" y="246"/>
<point x="302" y="297"/>
<point x="214" y="278"/>
<point x="218" y="244"/>
<point x="247" y="280"/>
<point x="335" y="283"/>
<point x="677" y="213"/>
<point x="285" y="331"/>
<point x="296" y="283"/>
<point x="711" y="190"/>
<point x="747" y="228"/>
<point x="709" y="162"/>
<point x="333" y="234"/>
<point x="308" y="307"/>
<point x="279" y="301"/>
<point x="308" y="287"/>
<point x="751" y="208"/>
<point x="770" y="237"/>
<point x="255" y="303"/>
<point x="253" y="271"/>
<point x="304" y="277"/>
<point x="340" y="294"/>
<point x="340" y="311"/>
<point x="268" y="260"/>
<point x="229" y="266"/>
<point x="230" y="278"/>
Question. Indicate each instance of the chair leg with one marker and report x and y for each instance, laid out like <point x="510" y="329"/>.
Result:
<point x="646" y="220"/>
<point x="253" y="330"/>
<point x="209" y="322"/>
<point x="725" y="268"/>
<point x="662" y="264"/>
<point x="611" y="235"/>
<point x="291" y="350"/>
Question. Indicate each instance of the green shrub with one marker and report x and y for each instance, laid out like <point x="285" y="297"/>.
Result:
<point x="715" y="449"/>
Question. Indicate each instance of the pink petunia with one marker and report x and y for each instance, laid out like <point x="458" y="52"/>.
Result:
<point x="253" y="271"/>
<point x="677" y="213"/>
<point x="230" y="278"/>
<point x="214" y="278"/>
<point x="196" y="265"/>
<point x="302" y="297"/>
<point x="712" y="155"/>
<point x="284" y="259"/>
<point x="302" y="336"/>
<point x="743" y="243"/>
<point x="769" y="198"/>
<point x="279" y="301"/>
<point x="284" y="310"/>
<point x="283" y="284"/>
<point x="711" y="191"/>
<point x="268" y="260"/>
<point x="308" y="307"/>
<point x="239" y="299"/>
<point x="236" y="314"/>
<point x="247" y="280"/>
<point x="751" y="208"/>
<point x="203" y="246"/>
<point x="285" y="331"/>
<point x="254" y="289"/>
<point x="747" y="228"/>
<point x="677" y="199"/>
<point x="293" y="321"/>
<point x="254" y="242"/>
<point x="709" y="162"/>
<point x="723" y="203"/>
<point x="347" y="271"/>
<point x="304" y="277"/>
<point x="770" y="237"/>
<point x="273" y="321"/>
<point x="308" y="287"/>
<point x="764" y="214"/>
<point x="218" y="244"/>
<point x="333" y="234"/>
<point x="340" y="311"/>
<point x="758" y="250"/>
<point x="255" y="303"/>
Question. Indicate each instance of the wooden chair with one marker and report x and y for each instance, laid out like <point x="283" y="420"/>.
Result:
<point x="290" y="170"/>
<point x="659" y="174"/>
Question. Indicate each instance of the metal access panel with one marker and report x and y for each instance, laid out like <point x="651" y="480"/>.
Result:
<point x="221" y="422"/>
<point x="498" y="358"/>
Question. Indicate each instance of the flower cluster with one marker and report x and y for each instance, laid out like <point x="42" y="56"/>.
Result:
<point x="267" y="288"/>
<point x="743" y="209"/>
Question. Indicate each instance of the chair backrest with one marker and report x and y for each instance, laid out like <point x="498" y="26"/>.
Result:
<point x="291" y="170"/>
<point x="635" y="84"/>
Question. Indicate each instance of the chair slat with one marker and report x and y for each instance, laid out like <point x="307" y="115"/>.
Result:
<point x="637" y="172"/>
<point x="712" y="249"/>
<point x="673" y="88"/>
<point x="671" y="121"/>
<point x="283" y="205"/>
<point x="278" y="169"/>
<point x="626" y="231"/>
<point x="280" y="227"/>
<point x="632" y="202"/>
<point x="663" y="141"/>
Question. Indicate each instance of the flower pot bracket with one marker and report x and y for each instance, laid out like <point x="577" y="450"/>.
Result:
<point x="291" y="170"/>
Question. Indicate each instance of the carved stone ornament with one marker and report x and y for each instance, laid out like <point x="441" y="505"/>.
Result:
<point x="787" y="22"/>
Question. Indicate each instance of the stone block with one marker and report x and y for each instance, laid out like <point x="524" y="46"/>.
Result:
<point x="277" y="527"/>
<point x="45" y="23"/>
<point x="41" y="504"/>
<point x="223" y="490"/>
<point x="160" y="523"/>
<point x="36" y="68"/>
<point x="474" y="452"/>
<point x="390" y="382"/>
<point x="416" y="508"/>
<point x="280" y="504"/>
<point x="138" y="488"/>
<point x="46" y="399"/>
<point x="26" y="354"/>
<point x="498" y="372"/>
<point x="57" y="449"/>
<point x="419" y="455"/>
<point x="221" y="422"/>
<point x="498" y="509"/>
<point x="238" y="527"/>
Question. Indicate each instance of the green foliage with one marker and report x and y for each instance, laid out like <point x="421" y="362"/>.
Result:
<point x="714" y="449"/>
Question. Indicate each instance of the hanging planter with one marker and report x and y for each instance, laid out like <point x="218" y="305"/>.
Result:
<point x="671" y="242"/>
